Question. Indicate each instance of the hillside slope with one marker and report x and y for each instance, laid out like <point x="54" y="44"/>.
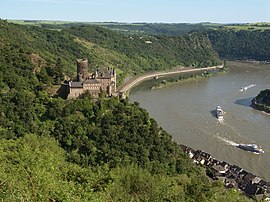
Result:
<point x="241" y="44"/>
<point x="150" y="52"/>
<point x="52" y="54"/>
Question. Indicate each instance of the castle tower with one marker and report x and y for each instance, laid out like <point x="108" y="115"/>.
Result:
<point x="82" y="69"/>
<point x="114" y="80"/>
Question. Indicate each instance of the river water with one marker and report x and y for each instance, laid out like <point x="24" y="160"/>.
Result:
<point x="187" y="111"/>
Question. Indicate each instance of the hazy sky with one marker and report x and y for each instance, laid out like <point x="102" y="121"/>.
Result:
<point x="225" y="11"/>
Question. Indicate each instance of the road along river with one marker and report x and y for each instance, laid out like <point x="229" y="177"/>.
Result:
<point x="127" y="86"/>
<point x="186" y="111"/>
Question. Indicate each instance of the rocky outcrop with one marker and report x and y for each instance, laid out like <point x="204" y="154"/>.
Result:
<point x="262" y="101"/>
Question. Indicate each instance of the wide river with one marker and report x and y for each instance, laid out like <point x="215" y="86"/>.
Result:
<point x="186" y="111"/>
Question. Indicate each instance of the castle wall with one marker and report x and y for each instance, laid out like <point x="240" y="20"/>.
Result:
<point x="75" y="92"/>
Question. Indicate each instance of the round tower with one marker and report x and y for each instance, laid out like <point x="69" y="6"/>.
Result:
<point x="82" y="69"/>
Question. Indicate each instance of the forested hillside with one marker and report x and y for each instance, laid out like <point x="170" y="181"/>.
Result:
<point x="136" y="55"/>
<point x="241" y="44"/>
<point x="34" y="168"/>
<point x="80" y="150"/>
<point x="232" y="41"/>
<point x="52" y="54"/>
<point x="111" y="150"/>
<point x="26" y="50"/>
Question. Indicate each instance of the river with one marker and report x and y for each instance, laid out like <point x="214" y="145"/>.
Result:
<point x="186" y="111"/>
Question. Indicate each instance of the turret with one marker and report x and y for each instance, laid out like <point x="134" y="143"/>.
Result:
<point x="82" y="69"/>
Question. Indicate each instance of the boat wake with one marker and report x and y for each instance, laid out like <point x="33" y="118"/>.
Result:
<point x="229" y="142"/>
<point x="221" y="120"/>
<point x="255" y="149"/>
<point x="266" y="113"/>
<point x="247" y="87"/>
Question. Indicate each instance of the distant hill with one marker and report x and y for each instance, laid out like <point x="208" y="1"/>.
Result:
<point x="141" y="29"/>
<point x="240" y="43"/>
<point x="167" y="29"/>
<point x="232" y="41"/>
<point x="148" y="53"/>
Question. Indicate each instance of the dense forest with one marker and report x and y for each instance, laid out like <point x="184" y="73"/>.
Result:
<point x="232" y="41"/>
<point x="83" y="150"/>
<point x="148" y="53"/>
<point x="241" y="44"/>
<point x="53" y="52"/>
<point x="264" y="97"/>
<point x="58" y="150"/>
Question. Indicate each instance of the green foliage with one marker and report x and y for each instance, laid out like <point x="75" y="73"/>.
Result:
<point x="109" y="131"/>
<point x="30" y="56"/>
<point x="35" y="169"/>
<point x="93" y="133"/>
<point x="111" y="137"/>
<point x="262" y="101"/>
<point x="264" y="97"/>
<point x="45" y="56"/>
<point x="152" y="53"/>
<point x="242" y="44"/>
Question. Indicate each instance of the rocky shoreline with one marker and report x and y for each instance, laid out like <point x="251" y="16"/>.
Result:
<point x="259" y="106"/>
<point x="231" y="175"/>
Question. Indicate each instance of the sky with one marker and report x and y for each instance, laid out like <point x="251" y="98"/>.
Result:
<point x="166" y="11"/>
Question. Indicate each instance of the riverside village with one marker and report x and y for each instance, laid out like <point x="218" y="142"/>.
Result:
<point x="231" y="175"/>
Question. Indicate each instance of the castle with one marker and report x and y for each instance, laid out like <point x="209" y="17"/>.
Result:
<point x="102" y="80"/>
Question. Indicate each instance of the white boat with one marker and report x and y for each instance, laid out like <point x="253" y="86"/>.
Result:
<point x="251" y="147"/>
<point x="247" y="87"/>
<point x="243" y="88"/>
<point x="219" y="112"/>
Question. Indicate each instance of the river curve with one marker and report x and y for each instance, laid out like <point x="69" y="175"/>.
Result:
<point x="185" y="110"/>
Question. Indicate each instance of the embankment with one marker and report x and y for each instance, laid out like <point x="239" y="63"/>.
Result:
<point x="122" y="91"/>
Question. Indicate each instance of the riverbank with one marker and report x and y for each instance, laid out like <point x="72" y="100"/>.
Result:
<point x="187" y="77"/>
<point x="124" y="89"/>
